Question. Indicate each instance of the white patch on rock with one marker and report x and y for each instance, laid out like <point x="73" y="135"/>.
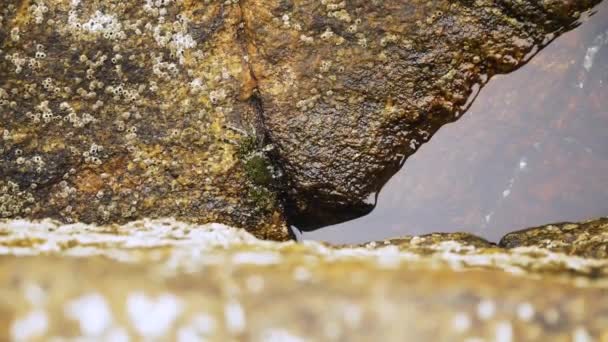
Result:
<point x="581" y="334"/>
<point x="302" y="274"/>
<point x="200" y="327"/>
<point x="504" y="332"/>
<point x="256" y="258"/>
<point x="34" y="294"/>
<point x="35" y="324"/>
<point x="54" y="236"/>
<point x="280" y="335"/>
<point x="117" y="335"/>
<point x="389" y="257"/>
<point x="152" y="318"/>
<point x="486" y="309"/>
<point x="99" y="23"/>
<point x="235" y="317"/>
<point x="461" y="322"/>
<point x="183" y="41"/>
<point x="92" y="313"/>
<point x="525" y="312"/>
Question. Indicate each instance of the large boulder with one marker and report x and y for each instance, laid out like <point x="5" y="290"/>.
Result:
<point x="350" y="89"/>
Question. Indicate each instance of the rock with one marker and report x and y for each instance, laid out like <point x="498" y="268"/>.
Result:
<point x="370" y="81"/>
<point x="112" y="111"/>
<point x="169" y="280"/>
<point x="587" y="239"/>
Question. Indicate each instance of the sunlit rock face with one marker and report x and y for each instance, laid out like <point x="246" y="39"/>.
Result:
<point x="169" y="280"/>
<point x="112" y="111"/>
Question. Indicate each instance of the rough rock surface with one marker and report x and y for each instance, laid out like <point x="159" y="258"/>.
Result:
<point x="587" y="239"/>
<point x="166" y="280"/>
<point x="370" y="81"/>
<point x="111" y="112"/>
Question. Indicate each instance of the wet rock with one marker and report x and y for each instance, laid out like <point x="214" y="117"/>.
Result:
<point x="113" y="111"/>
<point x="170" y="280"/>
<point x="351" y="89"/>
<point x="587" y="239"/>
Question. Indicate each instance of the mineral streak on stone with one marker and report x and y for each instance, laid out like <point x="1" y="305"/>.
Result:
<point x="587" y="239"/>
<point x="168" y="280"/>
<point x="112" y="111"/>
<point x="351" y="88"/>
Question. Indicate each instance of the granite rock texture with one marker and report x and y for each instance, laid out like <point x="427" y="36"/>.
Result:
<point x="218" y="111"/>
<point x="169" y="280"/>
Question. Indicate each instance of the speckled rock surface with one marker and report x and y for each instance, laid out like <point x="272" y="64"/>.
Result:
<point x="587" y="239"/>
<point x="112" y="111"/>
<point x="166" y="280"/>
<point x="372" y="80"/>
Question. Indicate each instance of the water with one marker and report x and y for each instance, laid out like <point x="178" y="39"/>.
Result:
<point x="532" y="149"/>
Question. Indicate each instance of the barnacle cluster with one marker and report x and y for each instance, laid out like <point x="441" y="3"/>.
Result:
<point x="120" y="112"/>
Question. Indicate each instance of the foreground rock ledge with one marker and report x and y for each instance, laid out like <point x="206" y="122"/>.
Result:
<point x="170" y="280"/>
